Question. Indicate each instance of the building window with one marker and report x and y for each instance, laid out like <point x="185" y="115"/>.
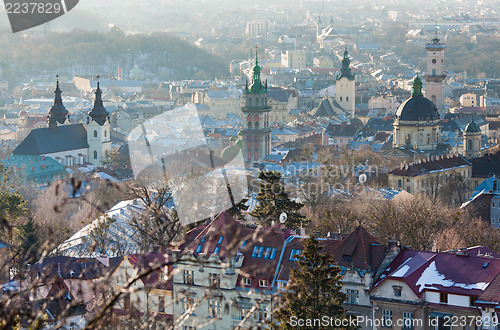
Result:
<point x="387" y="318"/>
<point x="189" y="277"/>
<point x="105" y="133"/>
<point x="247" y="281"/>
<point x="341" y="99"/>
<point x="95" y="154"/>
<point x="399" y="183"/>
<point x="244" y="312"/>
<point x="189" y="328"/>
<point x="126" y="301"/>
<point x="188" y="305"/>
<point x="263" y="283"/>
<point x="492" y="221"/>
<point x="347" y="98"/>
<point x="214" y="280"/>
<point x="352" y="296"/>
<point x="472" y="300"/>
<point x="72" y="326"/>
<point x="294" y="255"/>
<point x="262" y="313"/>
<point x="407" y="320"/>
<point x="443" y="298"/>
<point x="161" y="304"/>
<point x="214" y="308"/>
<point x="95" y="133"/>
<point x="397" y="290"/>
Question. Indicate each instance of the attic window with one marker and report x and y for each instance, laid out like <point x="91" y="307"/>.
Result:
<point x="198" y="249"/>
<point x="486" y="264"/>
<point x="203" y="238"/>
<point x="347" y="257"/>
<point x="217" y="249"/>
<point x="220" y="240"/>
<point x="294" y="255"/>
<point x="397" y="290"/>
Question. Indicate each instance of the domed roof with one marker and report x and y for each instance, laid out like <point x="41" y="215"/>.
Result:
<point x="472" y="127"/>
<point x="417" y="108"/>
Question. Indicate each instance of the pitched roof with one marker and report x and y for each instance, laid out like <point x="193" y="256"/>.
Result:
<point x="435" y="164"/>
<point x="456" y="273"/>
<point x="342" y="130"/>
<point x="43" y="141"/>
<point x="359" y="250"/>
<point x="491" y="295"/>
<point x="484" y="167"/>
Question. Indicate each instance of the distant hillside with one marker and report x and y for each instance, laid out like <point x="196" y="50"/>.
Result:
<point x="82" y="52"/>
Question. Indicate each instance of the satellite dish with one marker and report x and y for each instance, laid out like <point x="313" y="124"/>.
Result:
<point x="363" y="178"/>
<point x="283" y="217"/>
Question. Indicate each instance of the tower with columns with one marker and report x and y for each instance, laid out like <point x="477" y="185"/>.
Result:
<point x="436" y="75"/>
<point x="472" y="141"/>
<point x="256" y="132"/>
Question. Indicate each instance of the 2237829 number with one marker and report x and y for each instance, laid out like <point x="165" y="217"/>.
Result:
<point x="462" y="321"/>
<point x="33" y="8"/>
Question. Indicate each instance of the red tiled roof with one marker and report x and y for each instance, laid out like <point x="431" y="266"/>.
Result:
<point x="492" y="293"/>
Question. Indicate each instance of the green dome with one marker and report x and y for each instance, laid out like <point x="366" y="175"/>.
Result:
<point x="472" y="127"/>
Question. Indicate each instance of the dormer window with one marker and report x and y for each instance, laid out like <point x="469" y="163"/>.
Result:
<point x="397" y="290"/>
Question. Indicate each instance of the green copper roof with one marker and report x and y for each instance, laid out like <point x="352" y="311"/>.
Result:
<point x="346" y="69"/>
<point x="417" y="87"/>
<point x="256" y="87"/>
<point x="472" y="127"/>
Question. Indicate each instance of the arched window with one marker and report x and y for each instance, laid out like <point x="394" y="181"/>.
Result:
<point x="347" y="98"/>
<point x="469" y="144"/>
<point x="95" y="154"/>
<point x="250" y="125"/>
<point x="105" y="133"/>
<point x="95" y="133"/>
<point x="341" y="99"/>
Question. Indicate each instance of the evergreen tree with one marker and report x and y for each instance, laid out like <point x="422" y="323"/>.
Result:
<point x="313" y="290"/>
<point x="273" y="200"/>
<point x="30" y="242"/>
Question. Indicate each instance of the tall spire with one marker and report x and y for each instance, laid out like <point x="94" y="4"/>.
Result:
<point x="99" y="114"/>
<point x="257" y="86"/>
<point x="58" y="112"/>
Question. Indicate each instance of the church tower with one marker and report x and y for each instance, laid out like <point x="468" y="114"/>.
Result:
<point x="472" y="140"/>
<point x="346" y="87"/>
<point x="58" y="113"/>
<point x="435" y="74"/>
<point x="256" y="132"/>
<point x="98" y="130"/>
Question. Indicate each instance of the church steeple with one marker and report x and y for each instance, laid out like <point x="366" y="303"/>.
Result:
<point x="346" y="68"/>
<point x="58" y="112"/>
<point x="99" y="114"/>
<point x="256" y="86"/>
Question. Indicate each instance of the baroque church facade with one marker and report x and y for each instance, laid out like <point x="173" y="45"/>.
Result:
<point x="67" y="143"/>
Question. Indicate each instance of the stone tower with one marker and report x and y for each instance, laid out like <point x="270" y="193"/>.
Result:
<point x="472" y="140"/>
<point x="98" y="130"/>
<point x="256" y="132"/>
<point x="435" y="74"/>
<point x="346" y="87"/>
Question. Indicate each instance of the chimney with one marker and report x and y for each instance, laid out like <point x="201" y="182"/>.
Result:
<point x="393" y="249"/>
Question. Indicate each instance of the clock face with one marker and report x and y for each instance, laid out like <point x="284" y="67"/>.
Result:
<point x="434" y="61"/>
